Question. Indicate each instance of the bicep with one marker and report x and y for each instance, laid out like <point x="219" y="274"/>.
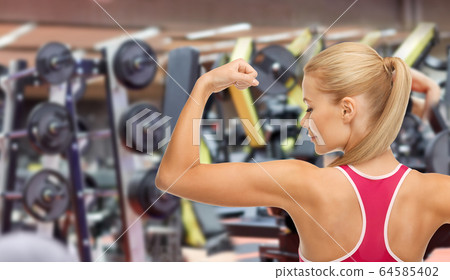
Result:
<point x="242" y="184"/>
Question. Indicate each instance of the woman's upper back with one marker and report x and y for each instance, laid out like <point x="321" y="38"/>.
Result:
<point x="355" y="213"/>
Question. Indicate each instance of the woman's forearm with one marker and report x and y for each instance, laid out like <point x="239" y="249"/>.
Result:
<point x="182" y="153"/>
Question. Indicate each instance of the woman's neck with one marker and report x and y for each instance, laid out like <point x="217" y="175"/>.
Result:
<point x="380" y="165"/>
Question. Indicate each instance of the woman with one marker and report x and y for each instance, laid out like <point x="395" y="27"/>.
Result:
<point x="353" y="210"/>
<point x="432" y="93"/>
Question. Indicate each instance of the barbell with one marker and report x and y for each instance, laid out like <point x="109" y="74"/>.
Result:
<point x="54" y="63"/>
<point x="49" y="129"/>
<point x="46" y="195"/>
<point x="134" y="64"/>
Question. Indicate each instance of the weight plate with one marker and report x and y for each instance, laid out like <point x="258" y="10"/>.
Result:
<point x="409" y="137"/>
<point x="55" y="63"/>
<point x="140" y="117"/>
<point x="275" y="66"/>
<point x="133" y="64"/>
<point x="145" y="197"/>
<point x="49" y="128"/>
<point x="46" y="195"/>
<point x="437" y="153"/>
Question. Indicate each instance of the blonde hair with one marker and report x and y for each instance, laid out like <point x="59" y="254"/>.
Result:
<point x="349" y="69"/>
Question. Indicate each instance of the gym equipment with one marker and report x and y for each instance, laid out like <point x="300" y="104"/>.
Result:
<point x="83" y="129"/>
<point x="132" y="234"/>
<point x="145" y="197"/>
<point x="138" y="119"/>
<point x="435" y="63"/>
<point x="54" y="63"/>
<point x="265" y="227"/>
<point x="416" y="47"/>
<point x="215" y="234"/>
<point x="221" y="59"/>
<point x="287" y="102"/>
<point x="242" y="99"/>
<point x="409" y="145"/>
<point x="218" y="147"/>
<point x="181" y="81"/>
<point x="373" y="37"/>
<point x="275" y="66"/>
<point x="213" y="110"/>
<point x="46" y="195"/>
<point x="49" y="128"/>
<point x="135" y="64"/>
<point x="414" y="51"/>
<point x="83" y="68"/>
<point x="437" y="154"/>
<point x="80" y="85"/>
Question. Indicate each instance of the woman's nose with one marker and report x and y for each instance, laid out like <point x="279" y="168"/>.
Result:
<point x="304" y="122"/>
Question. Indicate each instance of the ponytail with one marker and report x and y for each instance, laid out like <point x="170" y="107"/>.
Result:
<point x="386" y="128"/>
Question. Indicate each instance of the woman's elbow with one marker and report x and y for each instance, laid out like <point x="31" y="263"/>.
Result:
<point x="161" y="180"/>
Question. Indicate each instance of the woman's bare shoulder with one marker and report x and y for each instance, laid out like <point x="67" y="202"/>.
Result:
<point x="427" y="179"/>
<point x="432" y="191"/>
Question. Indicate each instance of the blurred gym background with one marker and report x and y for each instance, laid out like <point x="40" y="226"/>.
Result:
<point x="192" y="232"/>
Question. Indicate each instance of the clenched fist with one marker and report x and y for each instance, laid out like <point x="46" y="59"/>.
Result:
<point x="237" y="72"/>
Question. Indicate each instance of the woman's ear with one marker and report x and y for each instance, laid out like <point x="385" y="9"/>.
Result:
<point x="348" y="109"/>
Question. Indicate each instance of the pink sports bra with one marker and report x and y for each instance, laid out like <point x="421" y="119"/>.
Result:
<point x="376" y="196"/>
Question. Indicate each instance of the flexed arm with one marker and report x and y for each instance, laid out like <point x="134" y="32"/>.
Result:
<point x="182" y="152"/>
<point x="227" y="184"/>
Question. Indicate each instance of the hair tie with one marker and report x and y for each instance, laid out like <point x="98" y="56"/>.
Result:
<point x="388" y="64"/>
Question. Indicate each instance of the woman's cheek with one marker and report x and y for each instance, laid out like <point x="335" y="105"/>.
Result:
<point x="316" y="132"/>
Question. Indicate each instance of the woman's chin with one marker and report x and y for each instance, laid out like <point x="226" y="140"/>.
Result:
<point x="321" y="149"/>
